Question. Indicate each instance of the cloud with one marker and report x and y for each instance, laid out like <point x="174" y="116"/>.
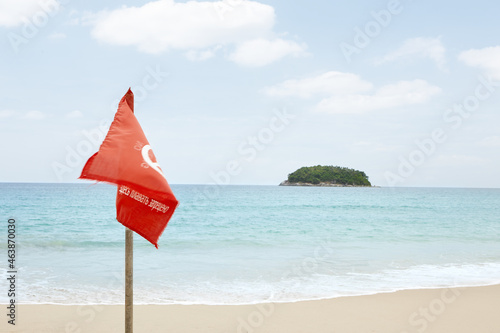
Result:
<point x="84" y="18"/>
<point x="202" y="55"/>
<point x="34" y="115"/>
<point x="327" y="83"/>
<point x="347" y="93"/>
<point x="491" y="141"/>
<point x="165" y="24"/>
<point x="402" y="93"/>
<point x="15" y="12"/>
<point x="421" y="47"/>
<point x="6" y="114"/>
<point x="261" y="52"/>
<point x="199" y="28"/>
<point x="339" y="92"/>
<point x="74" y="114"/>
<point x="486" y="58"/>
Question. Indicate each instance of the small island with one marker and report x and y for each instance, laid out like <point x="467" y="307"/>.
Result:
<point x="327" y="176"/>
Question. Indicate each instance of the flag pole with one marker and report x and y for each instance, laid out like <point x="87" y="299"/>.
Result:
<point x="129" y="278"/>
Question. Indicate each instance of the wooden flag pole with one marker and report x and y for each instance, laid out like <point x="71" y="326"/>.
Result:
<point x="129" y="281"/>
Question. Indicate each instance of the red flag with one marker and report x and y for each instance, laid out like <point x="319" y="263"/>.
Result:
<point x="144" y="201"/>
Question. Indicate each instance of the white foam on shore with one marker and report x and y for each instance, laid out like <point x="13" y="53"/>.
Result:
<point x="289" y="289"/>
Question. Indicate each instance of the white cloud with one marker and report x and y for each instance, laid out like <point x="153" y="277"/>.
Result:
<point x="401" y="93"/>
<point x="199" y="28"/>
<point x="347" y="93"/>
<point x="34" y="115"/>
<point x="84" y="18"/>
<point x="202" y="55"/>
<point x="486" y="58"/>
<point x="327" y="83"/>
<point x="14" y="12"/>
<point x="491" y="141"/>
<point x="165" y="24"/>
<point x="431" y="48"/>
<point x="6" y="113"/>
<point x="74" y="114"/>
<point x="261" y="52"/>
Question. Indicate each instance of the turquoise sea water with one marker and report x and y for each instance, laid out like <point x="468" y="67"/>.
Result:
<point x="247" y="244"/>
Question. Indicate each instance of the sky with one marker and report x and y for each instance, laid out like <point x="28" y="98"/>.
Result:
<point x="246" y="92"/>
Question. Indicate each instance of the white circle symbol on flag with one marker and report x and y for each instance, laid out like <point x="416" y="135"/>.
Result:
<point x="145" y="155"/>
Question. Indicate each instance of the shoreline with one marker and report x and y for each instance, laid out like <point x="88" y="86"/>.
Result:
<point x="456" y="309"/>
<point x="186" y="303"/>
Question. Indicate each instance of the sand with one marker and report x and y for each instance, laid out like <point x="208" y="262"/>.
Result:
<point x="454" y="310"/>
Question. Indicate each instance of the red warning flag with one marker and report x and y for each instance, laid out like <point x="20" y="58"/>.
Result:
<point x="144" y="202"/>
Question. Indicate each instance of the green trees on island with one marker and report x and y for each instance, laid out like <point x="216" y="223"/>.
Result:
<point x="329" y="174"/>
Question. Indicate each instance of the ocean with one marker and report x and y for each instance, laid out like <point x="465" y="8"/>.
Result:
<point x="250" y="244"/>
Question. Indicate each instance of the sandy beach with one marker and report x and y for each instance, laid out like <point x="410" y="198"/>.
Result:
<point x="454" y="310"/>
